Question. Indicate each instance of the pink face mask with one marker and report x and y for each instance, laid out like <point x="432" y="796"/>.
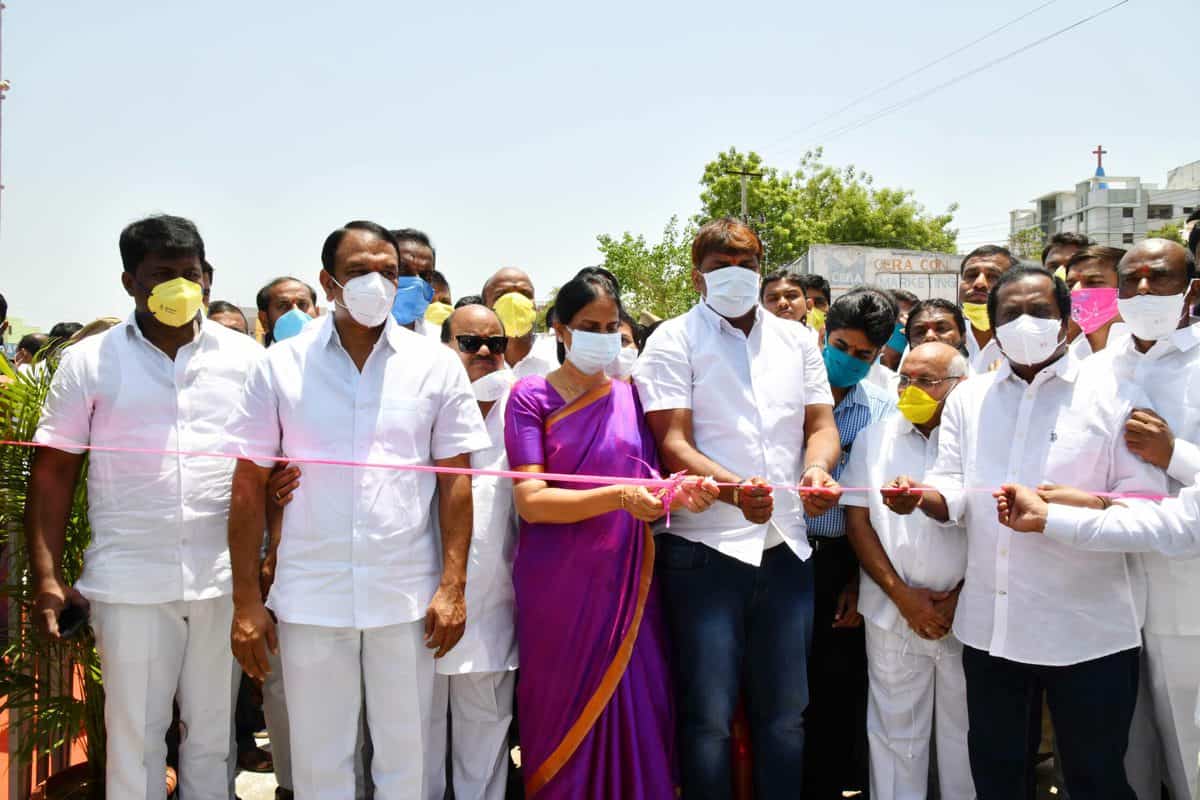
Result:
<point x="1092" y="308"/>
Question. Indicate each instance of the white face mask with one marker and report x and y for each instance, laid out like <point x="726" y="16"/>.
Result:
<point x="491" y="387"/>
<point x="1151" y="316"/>
<point x="592" y="352"/>
<point x="1029" y="340"/>
<point x="622" y="365"/>
<point x="731" y="291"/>
<point x="368" y="298"/>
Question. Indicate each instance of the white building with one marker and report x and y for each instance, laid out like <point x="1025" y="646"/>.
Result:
<point x="1115" y="211"/>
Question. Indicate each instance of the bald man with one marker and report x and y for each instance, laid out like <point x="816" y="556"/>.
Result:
<point x="475" y="681"/>
<point x="510" y="293"/>
<point x="912" y="569"/>
<point x="1156" y="288"/>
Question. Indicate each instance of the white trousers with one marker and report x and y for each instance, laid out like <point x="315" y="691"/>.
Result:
<point x="1164" y="742"/>
<point x="328" y="672"/>
<point x="276" y="713"/>
<point x="917" y="690"/>
<point x="480" y="706"/>
<point x="151" y="655"/>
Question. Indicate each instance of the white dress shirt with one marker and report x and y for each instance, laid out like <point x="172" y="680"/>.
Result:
<point x="925" y="554"/>
<point x="489" y="643"/>
<point x="1029" y="598"/>
<point x="748" y="396"/>
<point x="884" y="377"/>
<point x="359" y="546"/>
<point x="541" y="360"/>
<point x="980" y="360"/>
<point x="1169" y="374"/>
<point x="158" y="521"/>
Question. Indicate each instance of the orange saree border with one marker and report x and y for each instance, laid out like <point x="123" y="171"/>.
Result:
<point x="578" y="404"/>
<point x="608" y="683"/>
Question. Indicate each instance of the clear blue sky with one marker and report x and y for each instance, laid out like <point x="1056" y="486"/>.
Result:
<point x="515" y="133"/>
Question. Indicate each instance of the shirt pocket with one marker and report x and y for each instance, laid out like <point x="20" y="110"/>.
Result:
<point x="1078" y="456"/>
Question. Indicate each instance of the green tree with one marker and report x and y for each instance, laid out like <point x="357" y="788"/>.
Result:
<point x="819" y="204"/>
<point x="654" y="277"/>
<point x="1027" y="243"/>
<point x="1169" y="231"/>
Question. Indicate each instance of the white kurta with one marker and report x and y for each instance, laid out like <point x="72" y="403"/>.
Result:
<point x="489" y="643"/>
<point x="917" y="687"/>
<point x="1169" y="374"/>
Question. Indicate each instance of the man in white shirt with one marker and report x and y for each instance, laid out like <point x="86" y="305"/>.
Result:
<point x="980" y="270"/>
<point x="476" y="680"/>
<point x="1034" y="614"/>
<point x="360" y="593"/>
<point x="1161" y="356"/>
<point x="156" y="574"/>
<point x="509" y="293"/>
<point x="912" y="570"/>
<point x="734" y="392"/>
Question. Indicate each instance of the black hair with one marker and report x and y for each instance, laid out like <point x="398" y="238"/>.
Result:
<point x="438" y="279"/>
<point x="469" y="300"/>
<point x="207" y="269"/>
<point x="263" y="298"/>
<point x="334" y="240"/>
<point x="1193" y="244"/>
<point x="904" y="296"/>
<point x="161" y="234"/>
<point x="987" y="251"/>
<point x="940" y="304"/>
<point x="814" y="282"/>
<point x="603" y="273"/>
<point x="781" y="275"/>
<point x="33" y="342"/>
<point x="3" y="309"/>
<point x="1062" y="295"/>
<point x="1191" y="265"/>
<point x="1097" y="252"/>
<point x="225" y="307"/>
<point x="867" y="309"/>
<point x="639" y="338"/>
<point x="446" y="321"/>
<point x="414" y="235"/>
<point x="579" y="292"/>
<point x="1065" y="240"/>
<point x="65" y="330"/>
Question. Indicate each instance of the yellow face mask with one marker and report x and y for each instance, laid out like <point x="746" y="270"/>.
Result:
<point x="516" y="312"/>
<point x="437" y="312"/>
<point x="816" y="319"/>
<point x="917" y="406"/>
<point x="175" y="302"/>
<point x="977" y="314"/>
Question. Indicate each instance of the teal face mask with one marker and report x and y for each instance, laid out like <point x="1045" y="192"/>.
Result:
<point x="844" y="369"/>
<point x="289" y="325"/>
<point x="898" y="341"/>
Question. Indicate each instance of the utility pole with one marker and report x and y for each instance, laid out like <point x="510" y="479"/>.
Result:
<point x="745" y="176"/>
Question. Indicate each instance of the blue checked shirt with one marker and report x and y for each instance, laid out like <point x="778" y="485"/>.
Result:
<point x="864" y="404"/>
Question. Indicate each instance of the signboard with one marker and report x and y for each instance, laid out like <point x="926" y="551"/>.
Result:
<point x="924" y="274"/>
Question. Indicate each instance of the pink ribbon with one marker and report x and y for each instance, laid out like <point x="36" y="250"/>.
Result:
<point x="669" y="486"/>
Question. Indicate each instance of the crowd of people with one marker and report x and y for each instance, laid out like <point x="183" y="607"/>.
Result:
<point x="896" y="529"/>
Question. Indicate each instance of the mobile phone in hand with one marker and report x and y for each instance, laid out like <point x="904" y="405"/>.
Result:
<point x="71" y="621"/>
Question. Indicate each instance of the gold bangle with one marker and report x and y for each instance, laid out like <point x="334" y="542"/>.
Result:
<point x="737" y="496"/>
<point x="622" y="496"/>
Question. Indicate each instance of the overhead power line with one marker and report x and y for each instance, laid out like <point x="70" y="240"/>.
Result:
<point x="896" y="81"/>
<point x="969" y="73"/>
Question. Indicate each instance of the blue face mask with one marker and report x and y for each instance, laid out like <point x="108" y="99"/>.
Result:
<point x="898" y="341"/>
<point x="413" y="296"/>
<point x="843" y="369"/>
<point x="289" y="324"/>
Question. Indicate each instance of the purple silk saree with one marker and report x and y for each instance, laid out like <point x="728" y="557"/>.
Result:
<point x="594" y="695"/>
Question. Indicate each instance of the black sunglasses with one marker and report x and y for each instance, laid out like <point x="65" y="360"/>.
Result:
<point x="470" y="343"/>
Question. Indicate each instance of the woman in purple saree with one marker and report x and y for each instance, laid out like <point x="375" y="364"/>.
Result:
<point x="594" y="697"/>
